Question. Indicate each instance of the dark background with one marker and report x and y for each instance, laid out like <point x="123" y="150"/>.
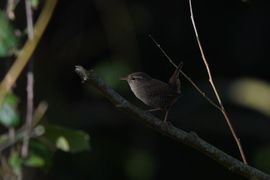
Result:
<point x="112" y="38"/>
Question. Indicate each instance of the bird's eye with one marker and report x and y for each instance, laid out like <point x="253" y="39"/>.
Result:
<point x="132" y="78"/>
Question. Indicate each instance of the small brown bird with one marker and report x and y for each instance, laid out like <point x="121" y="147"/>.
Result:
<point x="155" y="93"/>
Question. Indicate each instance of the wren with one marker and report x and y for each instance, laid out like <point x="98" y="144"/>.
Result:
<point x="155" y="93"/>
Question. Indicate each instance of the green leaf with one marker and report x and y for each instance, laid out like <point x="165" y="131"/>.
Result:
<point x="11" y="99"/>
<point x="34" y="3"/>
<point x="15" y="162"/>
<point x="8" y="40"/>
<point x="9" y="117"/>
<point x="62" y="143"/>
<point x="40" y="149"/>
<point x="34" y="160"/>
<point x="66" y="139"/>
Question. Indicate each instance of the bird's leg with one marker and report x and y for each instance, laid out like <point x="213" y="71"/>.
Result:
<point x="165" y="123"/>
<point x="152" y="110"/>
<point x="166" y="116"/>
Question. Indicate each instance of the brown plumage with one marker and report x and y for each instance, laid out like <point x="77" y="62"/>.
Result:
<point x="153" y="92"/>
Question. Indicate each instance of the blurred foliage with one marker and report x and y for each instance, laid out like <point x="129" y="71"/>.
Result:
<point x="262" y="159"/>
<point x="15" y="163"/>
<point x="42" y="153"/>
<point x="62" y="143"/>
<point x="252" y="93"/>
<point x="9" y="116"/>
<point x="111" y="72"/>
<point x="41" y="145"/>
<point x="67" y="139"/>
<point x="140" y="165"/>
<point x="34" y="3"/>
<point x="41" y="149"/>
<point x="8" y="40"/>
<point x="34" y="160"/>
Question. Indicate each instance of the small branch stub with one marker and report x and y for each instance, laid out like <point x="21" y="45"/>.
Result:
<point x="82" y="73"/>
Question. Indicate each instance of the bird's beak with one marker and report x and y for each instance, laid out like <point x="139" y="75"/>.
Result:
<point x="124" y="78"/>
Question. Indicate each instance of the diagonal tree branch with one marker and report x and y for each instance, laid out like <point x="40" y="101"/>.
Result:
<point x="190" y="139"/>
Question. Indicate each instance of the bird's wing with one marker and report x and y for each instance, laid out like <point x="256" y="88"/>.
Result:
<point x="160" y="88"/>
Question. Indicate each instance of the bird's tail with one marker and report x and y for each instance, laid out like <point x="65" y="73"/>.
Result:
<point x="174" y="81"/>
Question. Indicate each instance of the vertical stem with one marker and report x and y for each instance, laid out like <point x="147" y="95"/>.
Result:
<point x="228" y="121"/>
<point x="11" y="134"/>
<point x="30" y="82"/>
<point x="29" y="19"/>
<point x="29" y="111"/>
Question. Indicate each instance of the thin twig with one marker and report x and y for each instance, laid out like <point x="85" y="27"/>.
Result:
<point x="30" y="82"/>
<point x="39" y="113"/>
<point x="190" y="139"/>
<point x="11" y="134"/>
<point x="19" y="135"/>
<point x="29" y="19"/>
<point x="214" y="87"/>
<point x="184" y="74"/>
<point x="29" y="112"/>
<point x="27" y="49"/>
